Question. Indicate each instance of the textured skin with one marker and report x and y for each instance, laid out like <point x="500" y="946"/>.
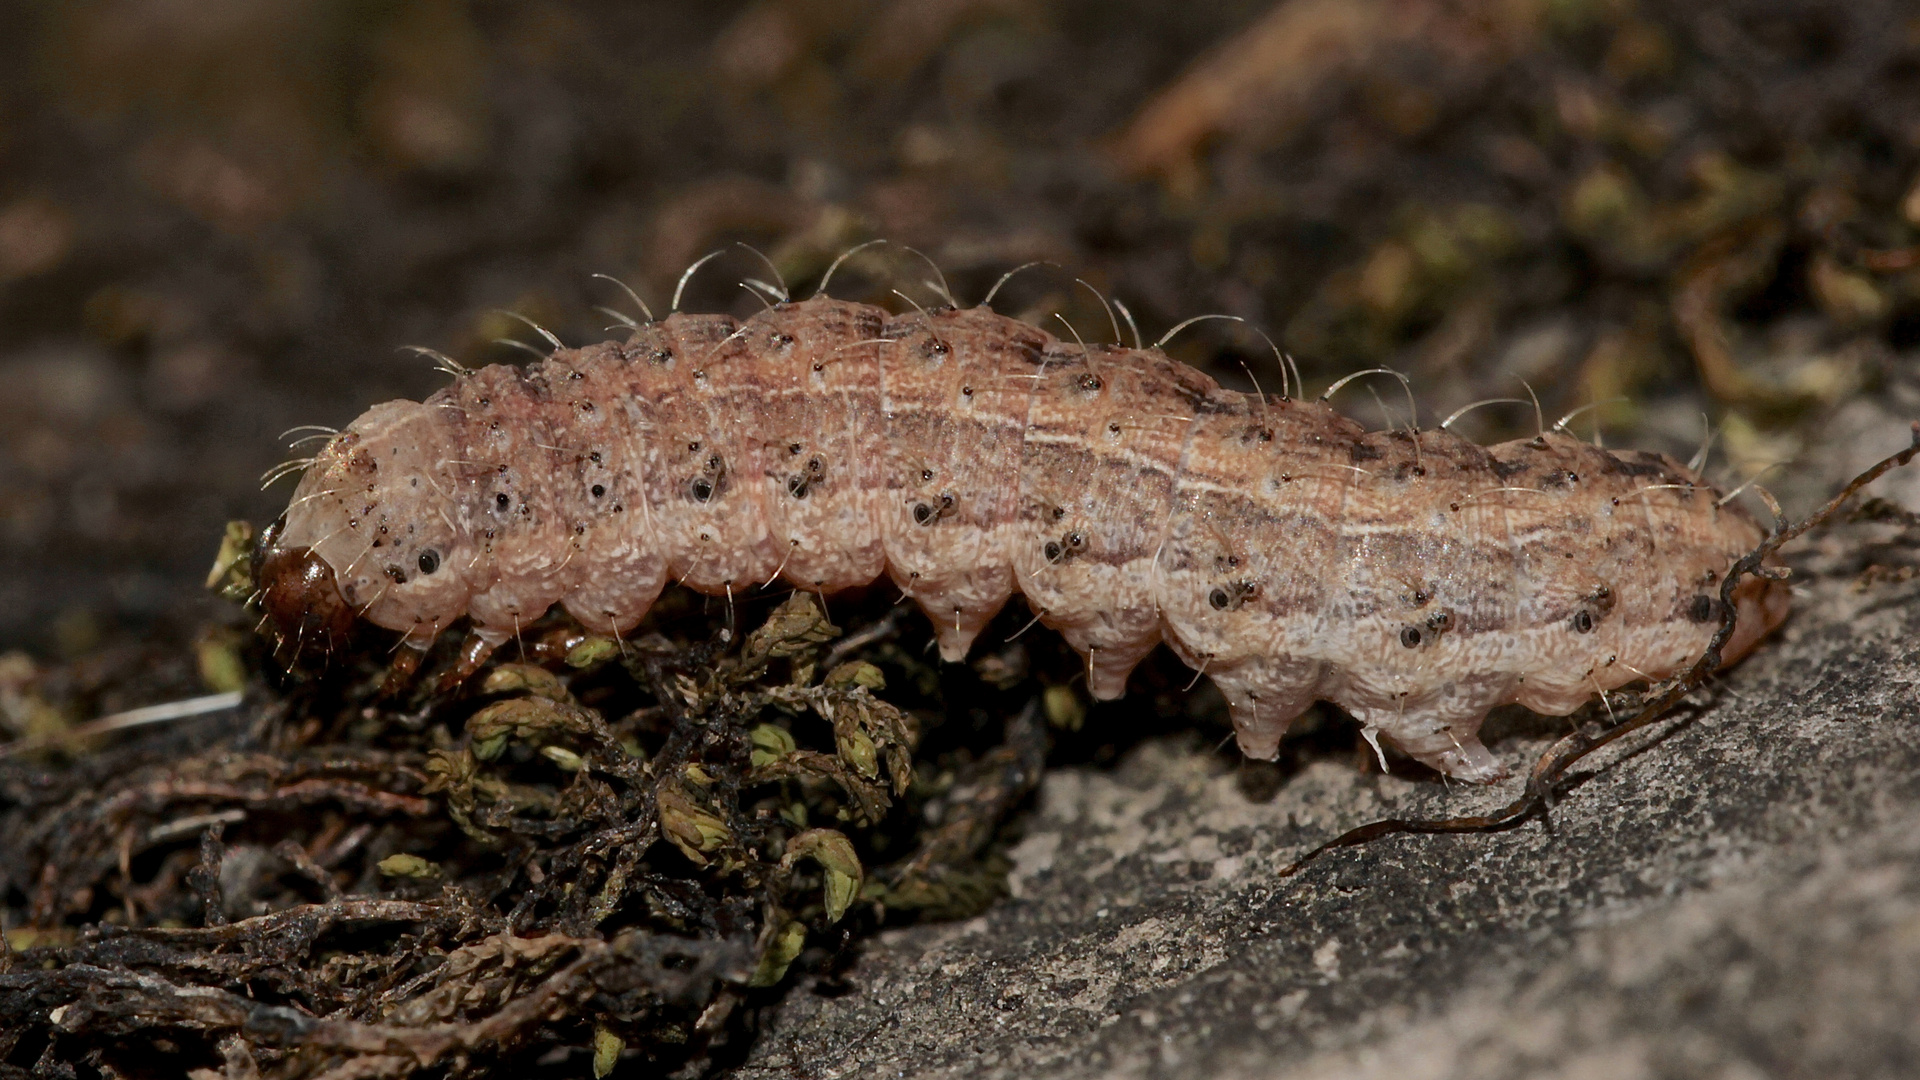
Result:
<point x="1274" y="544"/>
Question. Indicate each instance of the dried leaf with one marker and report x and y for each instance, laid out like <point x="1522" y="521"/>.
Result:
<point x="779" y="954"/>
<point x="794" y="628"/>
<point x="592" y="652"/>
<point x="408" y="866"/>
<point x="523" y="719"/>
<point x="218" y="655"/>
<point x="525" y="678"/>
<point x="770" y="744"/>
<point x="232" y="573"/>
<point x="856" y="673"/>
<point x="1064" y="708"/>
<point x="833" y="852"/>
<point x="857" y="750"/>
<point x="691" y="827"/>
<point x="606" y="1051"/>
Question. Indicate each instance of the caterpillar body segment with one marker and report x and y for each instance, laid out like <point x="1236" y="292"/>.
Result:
<point x="1413" y="578"/>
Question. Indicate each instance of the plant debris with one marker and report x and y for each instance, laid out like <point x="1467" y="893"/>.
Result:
<point x="608" y="856"/>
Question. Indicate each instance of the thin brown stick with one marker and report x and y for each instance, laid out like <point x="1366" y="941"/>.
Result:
<point x="1551" y="769"/>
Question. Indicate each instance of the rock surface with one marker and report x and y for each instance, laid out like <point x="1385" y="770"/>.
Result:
<point x="1734" y="893"/>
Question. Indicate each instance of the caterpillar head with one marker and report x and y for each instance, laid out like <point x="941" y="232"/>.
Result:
<point x="368" y="535"/>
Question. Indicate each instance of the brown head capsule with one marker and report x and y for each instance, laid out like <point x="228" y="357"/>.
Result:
<point x="298" y="593"/>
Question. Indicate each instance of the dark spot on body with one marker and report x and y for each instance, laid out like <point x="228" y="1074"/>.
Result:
<point x="1600" y="601"/>
<point x="598" y="490"/>
<point x="1233" y="596"/>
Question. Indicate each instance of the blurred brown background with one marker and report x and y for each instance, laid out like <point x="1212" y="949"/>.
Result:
<point x="221" y="218"/>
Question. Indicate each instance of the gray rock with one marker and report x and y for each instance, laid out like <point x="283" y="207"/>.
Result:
<point x="1734" y="893"/>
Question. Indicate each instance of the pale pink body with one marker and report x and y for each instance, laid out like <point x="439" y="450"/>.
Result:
<point x="1277" y="546"/>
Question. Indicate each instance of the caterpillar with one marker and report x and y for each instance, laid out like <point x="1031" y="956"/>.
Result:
<point x="1410" y="576"/>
